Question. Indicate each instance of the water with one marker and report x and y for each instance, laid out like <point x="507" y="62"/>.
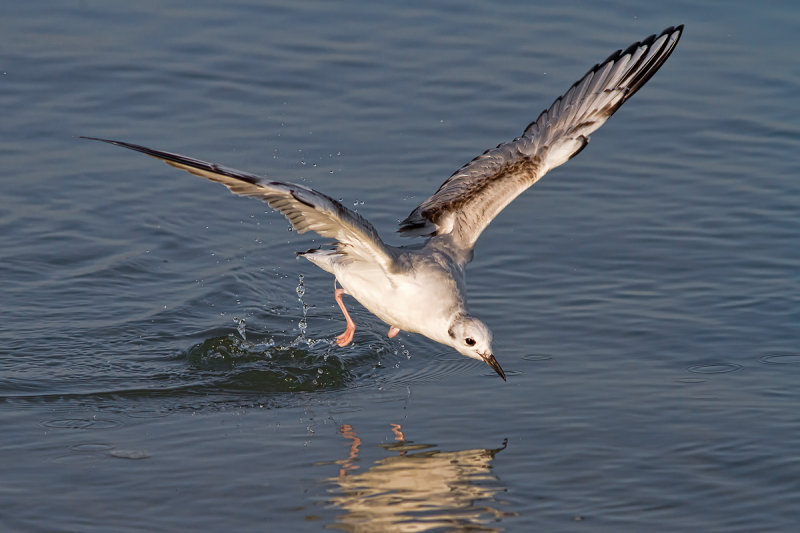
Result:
<point x="161" y="368"/>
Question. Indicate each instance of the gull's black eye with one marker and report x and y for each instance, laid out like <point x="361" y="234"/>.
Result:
<point x="470" y="341"/>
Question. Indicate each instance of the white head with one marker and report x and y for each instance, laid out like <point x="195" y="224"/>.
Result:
<point x="472" y="338"/>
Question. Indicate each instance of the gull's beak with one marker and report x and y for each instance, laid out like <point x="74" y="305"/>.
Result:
<point x="492" y="362"/>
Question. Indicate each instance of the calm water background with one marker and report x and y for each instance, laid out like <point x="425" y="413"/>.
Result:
<point x="157" y="371"/>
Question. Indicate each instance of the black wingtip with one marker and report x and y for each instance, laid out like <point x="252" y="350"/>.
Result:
<point x="647" y="41"/>
<point x="137" y="147"/>
<point x="184" y="161"/>
<point x="96" y="139"/>
<point x="111" y="141"/>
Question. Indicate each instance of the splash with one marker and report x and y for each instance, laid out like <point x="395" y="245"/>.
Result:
<point x="241" y="327"/>
<point x="302" y="325"/>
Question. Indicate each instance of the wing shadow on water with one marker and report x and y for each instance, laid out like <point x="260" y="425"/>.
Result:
<point x="416" y="488"/>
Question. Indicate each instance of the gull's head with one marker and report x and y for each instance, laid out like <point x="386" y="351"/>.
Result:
<point x="472" y="338"/>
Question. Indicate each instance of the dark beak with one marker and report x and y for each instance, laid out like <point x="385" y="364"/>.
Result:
<point x="492" y="362"/>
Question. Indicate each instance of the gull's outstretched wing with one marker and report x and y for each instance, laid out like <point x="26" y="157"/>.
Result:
<point x="306" y="209"/>
<point x="476" y="193"/>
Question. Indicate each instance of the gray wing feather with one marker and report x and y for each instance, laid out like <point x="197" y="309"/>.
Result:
<point x="476" y="193"/>
<point x="305" y="208"/>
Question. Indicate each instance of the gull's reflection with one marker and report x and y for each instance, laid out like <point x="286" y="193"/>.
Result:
<point x="417" y="488"/>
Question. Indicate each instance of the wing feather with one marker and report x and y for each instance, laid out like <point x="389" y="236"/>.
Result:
<point x="305" y="208"/>
<point x="475" y="194"/>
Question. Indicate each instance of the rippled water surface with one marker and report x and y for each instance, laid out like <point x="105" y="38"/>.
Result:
<point x="166" y="364"/>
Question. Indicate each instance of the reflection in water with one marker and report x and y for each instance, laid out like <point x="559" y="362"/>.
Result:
<point x="417" y="488"/>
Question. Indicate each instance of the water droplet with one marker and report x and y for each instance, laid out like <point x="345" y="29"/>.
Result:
<point x="303" y="324"/>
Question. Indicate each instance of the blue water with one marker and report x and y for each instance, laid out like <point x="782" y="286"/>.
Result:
<point x="166" y="363"/>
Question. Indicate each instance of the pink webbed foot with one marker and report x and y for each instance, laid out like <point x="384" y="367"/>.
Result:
<point x="347" y="337"/>
<point x="393" y="331"/>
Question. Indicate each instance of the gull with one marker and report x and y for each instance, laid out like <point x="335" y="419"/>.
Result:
<point x="421" y="288"/>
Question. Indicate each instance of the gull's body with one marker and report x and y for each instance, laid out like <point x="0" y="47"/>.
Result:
<point x="422" y="289"/>
<point x="419" y="295"/>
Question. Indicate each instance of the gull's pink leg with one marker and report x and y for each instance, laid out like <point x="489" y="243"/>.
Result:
<point x="393" y="331"/>
<point x="347" y="337"/>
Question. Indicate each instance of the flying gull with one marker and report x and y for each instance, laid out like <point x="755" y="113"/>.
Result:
<point x="421" y="289"/>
